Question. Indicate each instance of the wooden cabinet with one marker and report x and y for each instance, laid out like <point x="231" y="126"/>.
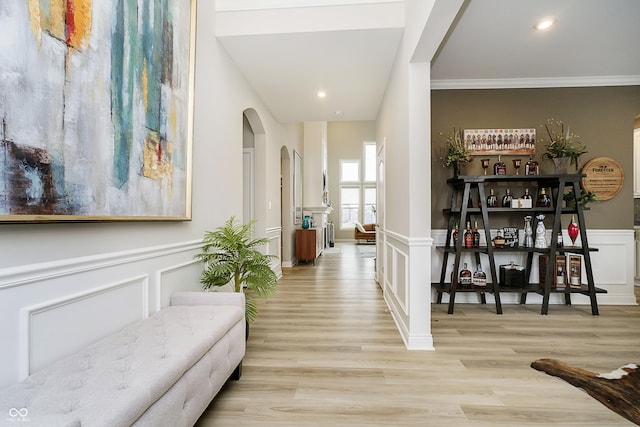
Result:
<point x="309" y="244"/>
<point x="468" y="188"/>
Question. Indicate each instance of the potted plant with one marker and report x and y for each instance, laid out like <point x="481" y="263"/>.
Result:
<point x="230" y="255"/>
<point x="563" y="147"/>
<point x="456" y="153"/>
<point x="585" y="197"/>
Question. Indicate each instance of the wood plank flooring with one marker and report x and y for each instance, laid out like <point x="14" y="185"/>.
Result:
<point x="325" y="352"/>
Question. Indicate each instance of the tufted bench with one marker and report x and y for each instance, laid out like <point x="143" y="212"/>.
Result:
<point x="160" y="371"/>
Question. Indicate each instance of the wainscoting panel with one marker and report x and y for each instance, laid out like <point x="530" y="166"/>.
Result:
<point x="51" y="309"/>
<point x="274" y="235"/>
<point x="52" y="330"/>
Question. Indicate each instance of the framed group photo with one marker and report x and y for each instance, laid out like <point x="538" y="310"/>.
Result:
<point x="516" y="142"/>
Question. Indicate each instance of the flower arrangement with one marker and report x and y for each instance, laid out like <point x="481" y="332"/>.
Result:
<point x="562" y="143"/>
<point x="455" y="151"/>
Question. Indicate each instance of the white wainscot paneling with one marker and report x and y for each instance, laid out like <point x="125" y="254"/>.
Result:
<point x="613" y="269"/>
<point x="52" y="309"/>
<point x="57" y="328"/>
<point x="274" y="235"/>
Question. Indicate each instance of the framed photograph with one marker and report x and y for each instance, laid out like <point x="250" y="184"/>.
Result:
<point x="575" y="271"/>
<point x="96" y="103"/>
<point x="506" y="142"/>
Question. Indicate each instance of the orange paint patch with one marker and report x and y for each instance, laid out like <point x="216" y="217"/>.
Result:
<point x="78" y="22"/>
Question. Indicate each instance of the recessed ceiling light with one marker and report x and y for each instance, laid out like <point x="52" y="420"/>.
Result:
<point x="339" y="114"/>
<point x="545" y="23"/>
<point x="321" y="94"/>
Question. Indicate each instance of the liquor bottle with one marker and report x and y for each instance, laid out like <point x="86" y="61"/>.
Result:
<point x="492" y="200"/>
<point x="527" y="200"/>
<point x="465" y="276"/>
<point x="499" y="167"/>
<point x="506" y="200"/>
<point x="531" y="167"/>
<point x="560" y="242"/>
<point x="456" y="232"/>
<point x="543" y="200"/>
<point x="479" y="277"/>
<point x="476" y="236"/>
<point x="468" y="236"/>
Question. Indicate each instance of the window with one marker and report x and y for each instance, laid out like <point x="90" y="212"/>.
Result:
<point x="369" y="205"/>
<point x="370" y="162"/>
<point x="349" y="171"/>
<point x="349" y="206"/>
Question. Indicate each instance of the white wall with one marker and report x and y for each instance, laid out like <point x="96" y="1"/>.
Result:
<point x="63" y="286"/>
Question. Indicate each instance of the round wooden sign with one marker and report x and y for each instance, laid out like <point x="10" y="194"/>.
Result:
<point x="604" y="176"/>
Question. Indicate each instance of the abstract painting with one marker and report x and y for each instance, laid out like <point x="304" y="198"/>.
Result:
<point x="96" y="104"/>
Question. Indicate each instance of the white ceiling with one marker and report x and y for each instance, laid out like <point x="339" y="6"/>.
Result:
<point x="491" y="44"/>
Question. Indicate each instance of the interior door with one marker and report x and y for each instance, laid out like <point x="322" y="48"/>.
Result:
<point x="380" y="224"/>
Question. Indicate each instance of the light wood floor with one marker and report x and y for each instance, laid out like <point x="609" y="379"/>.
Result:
<point x="325" y="351"/>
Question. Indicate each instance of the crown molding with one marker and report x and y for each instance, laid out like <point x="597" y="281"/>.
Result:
<point x="238" y="5"/>
<point x="535" y="82"/>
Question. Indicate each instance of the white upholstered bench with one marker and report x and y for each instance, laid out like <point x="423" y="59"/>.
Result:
<point x="160" y="371"/>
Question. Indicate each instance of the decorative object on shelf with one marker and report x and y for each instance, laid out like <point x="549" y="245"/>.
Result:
<point x="512" y="275"/>
<point x="528" y="232"/>
<point x="479" y="278"/>
<point x="456" y="153"/>
<point x="531" y="167"/>
<point x="510" y="235"/>
<point x="563" y="147"/>
<point x="485" y="165"/>
<point x="561" y="271"/>
<point x="492" y="200"/>
<point x="230" y="254"/>
<point x="560" y="240"/>
<point x="604" y="176"/>
<point x="541" y="233"/>
<point x="543" y="200"/>
<point x="498" y="241"/>
<point x="585" y="197"/>
<point x="506" y="199"/>
<point x="499" y="167"/>
<point x="306" y="222"/>
<point x="575" y="271"/>
<point x="516" y="165"/>
<point x="514" y="142"/>
<point x="573" y="230"/>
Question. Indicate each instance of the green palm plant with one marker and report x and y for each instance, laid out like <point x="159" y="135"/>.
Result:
<point x="230" y="254"/>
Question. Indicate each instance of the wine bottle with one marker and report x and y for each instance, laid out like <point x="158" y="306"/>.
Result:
<point x="543" y="200"/>
<point x="456" y="232"/>
<point x="499" y="167"/>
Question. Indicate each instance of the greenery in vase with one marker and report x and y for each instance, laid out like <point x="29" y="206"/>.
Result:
<point x="585" y="197"/>
<point x="230" y="254"/>
<point x="455" y="150"/>
<point x="562" y="143"/>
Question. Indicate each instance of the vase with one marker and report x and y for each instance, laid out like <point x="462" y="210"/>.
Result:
<point x="306" y="222"/>
<point x="460" y="168"/>
<point x="573" y="230"/>
<point x="561" y="164"/>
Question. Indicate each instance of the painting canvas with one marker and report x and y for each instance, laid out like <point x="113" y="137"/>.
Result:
<point x="96" y="109"/>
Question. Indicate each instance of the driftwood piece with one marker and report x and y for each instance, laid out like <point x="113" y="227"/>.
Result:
<point x="618" y="390"/>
